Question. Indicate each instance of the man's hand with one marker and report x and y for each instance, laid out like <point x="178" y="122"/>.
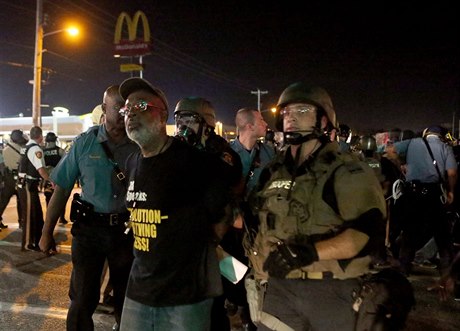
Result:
<point x="47" y="244"/>
<point x="298" y="251"/>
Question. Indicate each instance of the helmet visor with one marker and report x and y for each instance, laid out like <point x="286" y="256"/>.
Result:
<point x="187" y="119"/>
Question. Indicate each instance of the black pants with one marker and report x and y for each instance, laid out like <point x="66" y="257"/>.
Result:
<point x="424" y="217"/>
<point x="33" y="214"/>
<point x="91" y="246"/>
<point x="48" y="194"/>
<point x="8" y="190"/>
<point x="311" y="304"/>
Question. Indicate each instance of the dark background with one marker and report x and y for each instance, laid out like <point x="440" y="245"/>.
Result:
<point x="386" y="64"/>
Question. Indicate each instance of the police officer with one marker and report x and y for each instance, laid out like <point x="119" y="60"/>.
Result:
<point x="32" y="169"/>
<point x="195" y="121"/>
<point x="97" y="160"/>
<point x="254" y="154"/>
<point x="11" y="156"/>
<point x="430" y="161"/>
<point x="368" y="148"/>
<point x="53" y="154"/>
<point x="321" y="214"/>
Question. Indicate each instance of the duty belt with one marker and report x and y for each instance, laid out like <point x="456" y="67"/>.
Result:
<point x="103" y="219"/>
<point x="422" y="188"/>
<point x="299" y="274"/>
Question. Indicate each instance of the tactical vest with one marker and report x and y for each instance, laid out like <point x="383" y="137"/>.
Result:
<point x="52" y="156"/>
<point x="25" y="166"/>
<point x="306" y="211"/>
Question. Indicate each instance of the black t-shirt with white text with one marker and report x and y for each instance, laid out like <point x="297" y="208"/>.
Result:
<point x="174" y="199"/>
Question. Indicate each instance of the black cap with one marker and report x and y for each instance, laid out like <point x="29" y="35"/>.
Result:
<point x="435" y="129"/>
<point x="134" y="84"/>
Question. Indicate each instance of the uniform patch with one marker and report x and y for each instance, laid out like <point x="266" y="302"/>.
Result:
<point x="39" y="155"/>
<point x="298" y="209"/>
<point x="227" y="157"/>
<point x="285" y="184"/>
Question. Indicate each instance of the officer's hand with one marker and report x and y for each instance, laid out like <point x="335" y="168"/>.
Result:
<point x="296" y="253"/>
<point x="304" y="248"/>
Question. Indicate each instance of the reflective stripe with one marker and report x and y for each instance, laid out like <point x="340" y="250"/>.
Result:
<point x="273" y="323"/>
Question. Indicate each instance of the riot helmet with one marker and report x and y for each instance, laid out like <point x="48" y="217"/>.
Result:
<point x="50" y="137"/>
<point x="195" y="120"/>
<point x="368" y="143"/>
<point x="314" y="95"/>
<point x="437" y="130"/>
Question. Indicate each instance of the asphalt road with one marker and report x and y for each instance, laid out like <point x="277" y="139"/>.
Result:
<point x="33" y="288"/>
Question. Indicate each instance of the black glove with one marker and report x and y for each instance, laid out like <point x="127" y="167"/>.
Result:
<point x="298" y="251"/>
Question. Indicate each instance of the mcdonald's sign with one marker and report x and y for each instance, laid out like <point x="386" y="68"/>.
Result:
<point x="132" y="46"/>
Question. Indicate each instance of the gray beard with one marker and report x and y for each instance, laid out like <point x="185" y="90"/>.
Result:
<point x="144" y="136"/>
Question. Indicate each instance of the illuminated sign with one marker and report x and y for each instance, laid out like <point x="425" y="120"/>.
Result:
<point x="128" y="67"/>
<point x="133" y="46"/>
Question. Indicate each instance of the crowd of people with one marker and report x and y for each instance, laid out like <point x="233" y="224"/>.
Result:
<point x="316" y="216"/>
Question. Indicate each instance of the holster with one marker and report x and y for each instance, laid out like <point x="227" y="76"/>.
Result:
<point x="383" y="302"/>
<point x="21" y="183"/>
<point x="80" y="209"/>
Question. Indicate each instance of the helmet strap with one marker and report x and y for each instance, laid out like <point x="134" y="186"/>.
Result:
<point x="296" y="137"/>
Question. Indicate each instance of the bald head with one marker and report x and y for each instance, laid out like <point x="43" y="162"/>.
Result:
<point x="113" y="92"/>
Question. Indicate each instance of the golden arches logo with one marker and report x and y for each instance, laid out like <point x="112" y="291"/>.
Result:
<point x="132" y="45"/>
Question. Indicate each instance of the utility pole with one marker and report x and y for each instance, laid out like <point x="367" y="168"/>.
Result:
<point x="36" y="100"/>
<point x="258" y="92"/>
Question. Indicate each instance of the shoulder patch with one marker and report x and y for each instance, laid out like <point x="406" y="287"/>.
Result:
<point x="228" y="158"/>
<point x="39" y="154"/>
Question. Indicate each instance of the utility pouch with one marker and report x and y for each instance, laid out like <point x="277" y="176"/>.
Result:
<point x="79" y="209"/>
<point x="383" y="302"/>
<point x="21" y="183"/>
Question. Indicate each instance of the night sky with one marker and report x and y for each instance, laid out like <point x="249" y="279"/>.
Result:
<point x="386" y="64"/>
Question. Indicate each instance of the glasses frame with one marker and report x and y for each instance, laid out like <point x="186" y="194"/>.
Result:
<point x="298" y="109"/>
<point x="140" y="106"/>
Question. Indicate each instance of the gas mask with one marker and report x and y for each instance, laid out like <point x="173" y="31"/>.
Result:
<point x="189" y="127"/>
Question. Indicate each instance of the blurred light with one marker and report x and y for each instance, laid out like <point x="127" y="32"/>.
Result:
<point x="73" y="31"/>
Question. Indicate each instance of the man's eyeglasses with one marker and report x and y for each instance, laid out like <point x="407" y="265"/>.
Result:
<point x="140" y="107"/>
<point x="298" y="109"/>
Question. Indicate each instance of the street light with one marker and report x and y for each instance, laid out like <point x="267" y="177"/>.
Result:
<point x="39" y="35"/>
